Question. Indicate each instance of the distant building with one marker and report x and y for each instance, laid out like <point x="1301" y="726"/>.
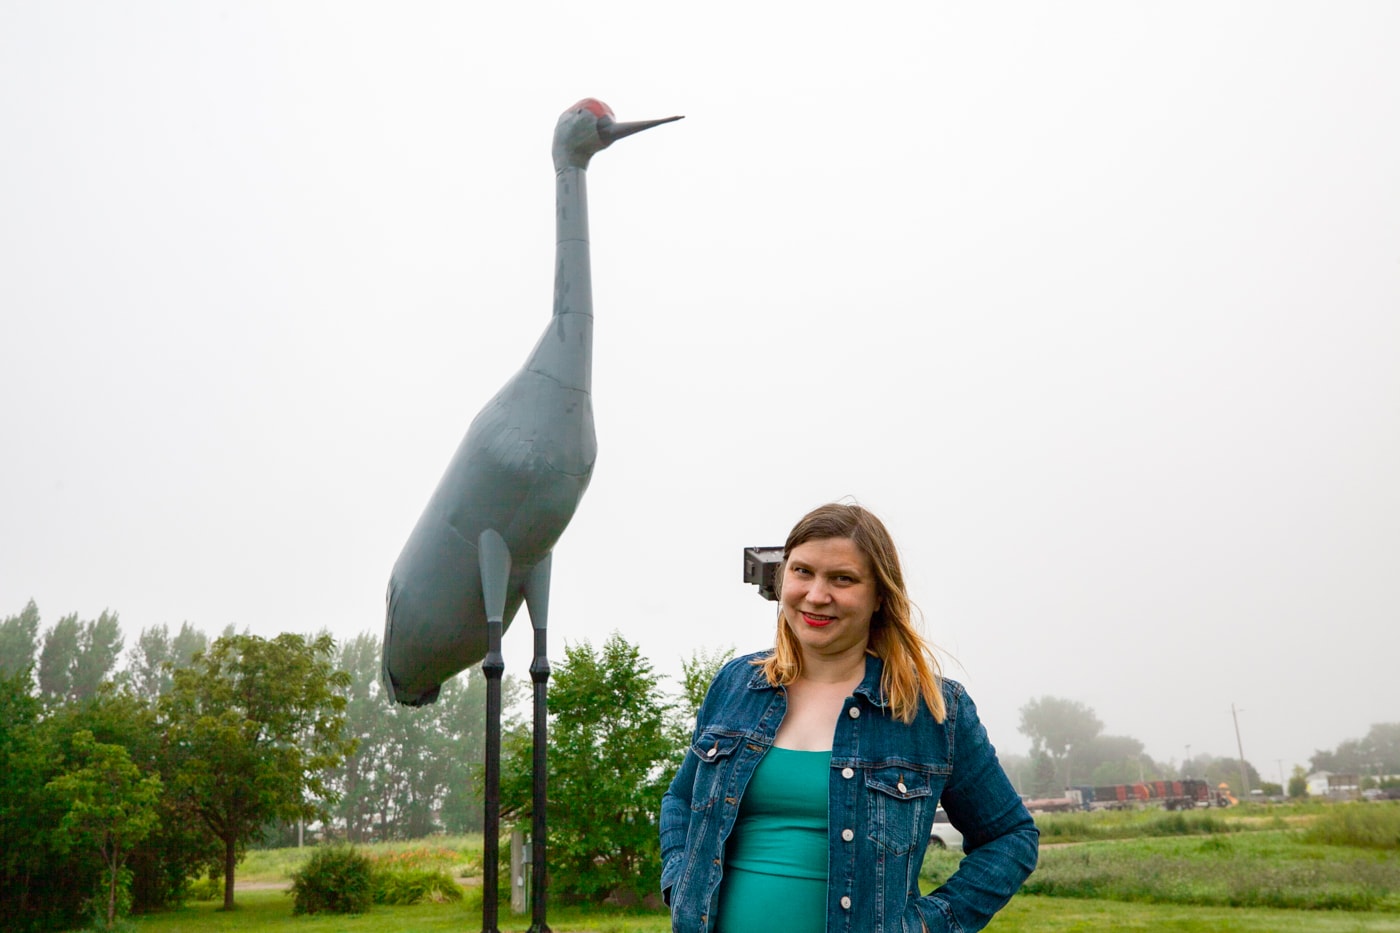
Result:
<point x="1328" y="784"/>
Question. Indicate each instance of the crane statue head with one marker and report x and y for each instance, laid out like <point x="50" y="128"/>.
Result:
<point x="588" y="127"/>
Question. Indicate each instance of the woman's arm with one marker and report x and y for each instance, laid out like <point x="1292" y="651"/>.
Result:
<point x="675" y="803"/>
<point x="675" y="823"/>
<point x="999" y="835"/>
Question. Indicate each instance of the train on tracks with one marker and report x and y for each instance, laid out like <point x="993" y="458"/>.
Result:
<point x="1173" y="795"/>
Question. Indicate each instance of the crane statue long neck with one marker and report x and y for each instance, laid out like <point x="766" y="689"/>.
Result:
<point x="565" y="350"/>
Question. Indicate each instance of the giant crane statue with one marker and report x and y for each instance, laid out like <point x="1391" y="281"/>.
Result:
<point x="483" y="543"/>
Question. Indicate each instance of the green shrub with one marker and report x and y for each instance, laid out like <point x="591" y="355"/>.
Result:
<point x="207" y="889"/>
<point x="336" y="879"/>
<point x="403" y="886"/>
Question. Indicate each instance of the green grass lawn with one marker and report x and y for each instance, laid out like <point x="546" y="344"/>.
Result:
<point x="1262" y="870"/>
<point x="268" y="911"/>
<point x="271" y="912"/>
<point x="1029" y="913"/>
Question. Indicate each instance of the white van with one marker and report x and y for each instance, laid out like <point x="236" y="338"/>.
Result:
<point x="945" y="835"/>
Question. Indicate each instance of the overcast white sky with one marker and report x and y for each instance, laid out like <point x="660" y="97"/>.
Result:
<point x="1098" y="304"/>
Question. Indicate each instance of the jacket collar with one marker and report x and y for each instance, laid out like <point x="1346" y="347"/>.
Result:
<point x="870" y="683"/>
<point x="869" y="686"/>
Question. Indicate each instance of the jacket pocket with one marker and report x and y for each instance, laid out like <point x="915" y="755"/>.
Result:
<point x="897" y="800"/>
<point x="715" y="751"/>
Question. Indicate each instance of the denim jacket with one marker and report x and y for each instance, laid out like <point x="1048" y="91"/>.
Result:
<point x="887" y="779"/>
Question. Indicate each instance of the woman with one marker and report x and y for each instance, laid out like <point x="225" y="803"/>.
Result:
<point x="806" y="800"/>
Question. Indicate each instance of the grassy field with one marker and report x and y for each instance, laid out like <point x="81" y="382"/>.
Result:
<point x="271" y="912"/>
<point x="1029" y="913"/>
<point x="1310" y="869"/>
<point x="1265" y="869"/>
<point x="458" y="855"/>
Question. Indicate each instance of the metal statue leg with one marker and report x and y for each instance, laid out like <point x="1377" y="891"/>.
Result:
<point x="494" y="558"/>
<point x="537" y="600"/>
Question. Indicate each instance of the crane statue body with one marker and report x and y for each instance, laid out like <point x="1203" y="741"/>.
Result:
<point x="483" y="543"/>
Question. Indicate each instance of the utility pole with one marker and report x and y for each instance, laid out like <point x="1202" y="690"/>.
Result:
<point x="1244" y="776"/>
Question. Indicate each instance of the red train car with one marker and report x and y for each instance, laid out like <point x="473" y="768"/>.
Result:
<point x="1173" y="795"/>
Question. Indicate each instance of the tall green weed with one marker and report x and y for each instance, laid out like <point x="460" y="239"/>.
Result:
<point x="1132" y="824"/>
<point x="1365" y="825"/>
<point x="405" y="886"/>
<point x="1261" y="869"/>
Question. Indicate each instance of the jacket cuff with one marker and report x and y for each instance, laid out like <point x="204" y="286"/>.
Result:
<point x="936" y="915"/>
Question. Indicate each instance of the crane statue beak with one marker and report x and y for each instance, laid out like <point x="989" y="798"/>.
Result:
<point x="610" y="131"/>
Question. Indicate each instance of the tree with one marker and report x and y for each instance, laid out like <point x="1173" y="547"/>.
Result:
<point x="99" y="646"/>
<point x="1059" y="728"/>
<point x="1377" y="753"/>
<point x="1219" y="771"/>
<point x="178" y="847"/>
<point x="46" y="874"/>
<point x="1116" y="759"/>
<point x="109" y="805"/>
<point x="1298" y="783"/>
<point x="23" y="762"/>
<point x="1018" y="770"/>
<point x="19" y="639"/>
<point x="415" y="770"/>
<point x="253" y="727"/>
<point x="59" y="657"/>
<point x="611" y="755"/>
<point x="78" y="656"/>
<point x="365" y="712"/>
<point x="1043" y="782"/>
<point x="697" y="673"/>
<point x="462" y="738"/>
<point x="187" y="643"/>
<point x="149" y="655"/>
<point x="156" y="654"/>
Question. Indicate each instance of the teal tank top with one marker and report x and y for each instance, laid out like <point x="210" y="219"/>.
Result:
<point x="776" y="858"/>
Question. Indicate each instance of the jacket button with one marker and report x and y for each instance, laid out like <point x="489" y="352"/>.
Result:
<point x="711" y="753"/>
<point x="902" y="788"/>
<point x="848" y="773"/>
<point x="846" y="902"/>
<point x="847" y="835"/>
<point x="854" y="712"/>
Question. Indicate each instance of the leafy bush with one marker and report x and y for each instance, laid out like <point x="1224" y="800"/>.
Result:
<point x="207" y="889"/>
<point x="404" y="886"/>
<point x="336" y="879"/>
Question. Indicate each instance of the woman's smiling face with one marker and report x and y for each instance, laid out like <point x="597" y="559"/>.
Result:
<point x="829" y="595"/>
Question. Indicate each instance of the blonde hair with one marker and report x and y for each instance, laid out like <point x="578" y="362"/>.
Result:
<point x="910" y="669"/>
